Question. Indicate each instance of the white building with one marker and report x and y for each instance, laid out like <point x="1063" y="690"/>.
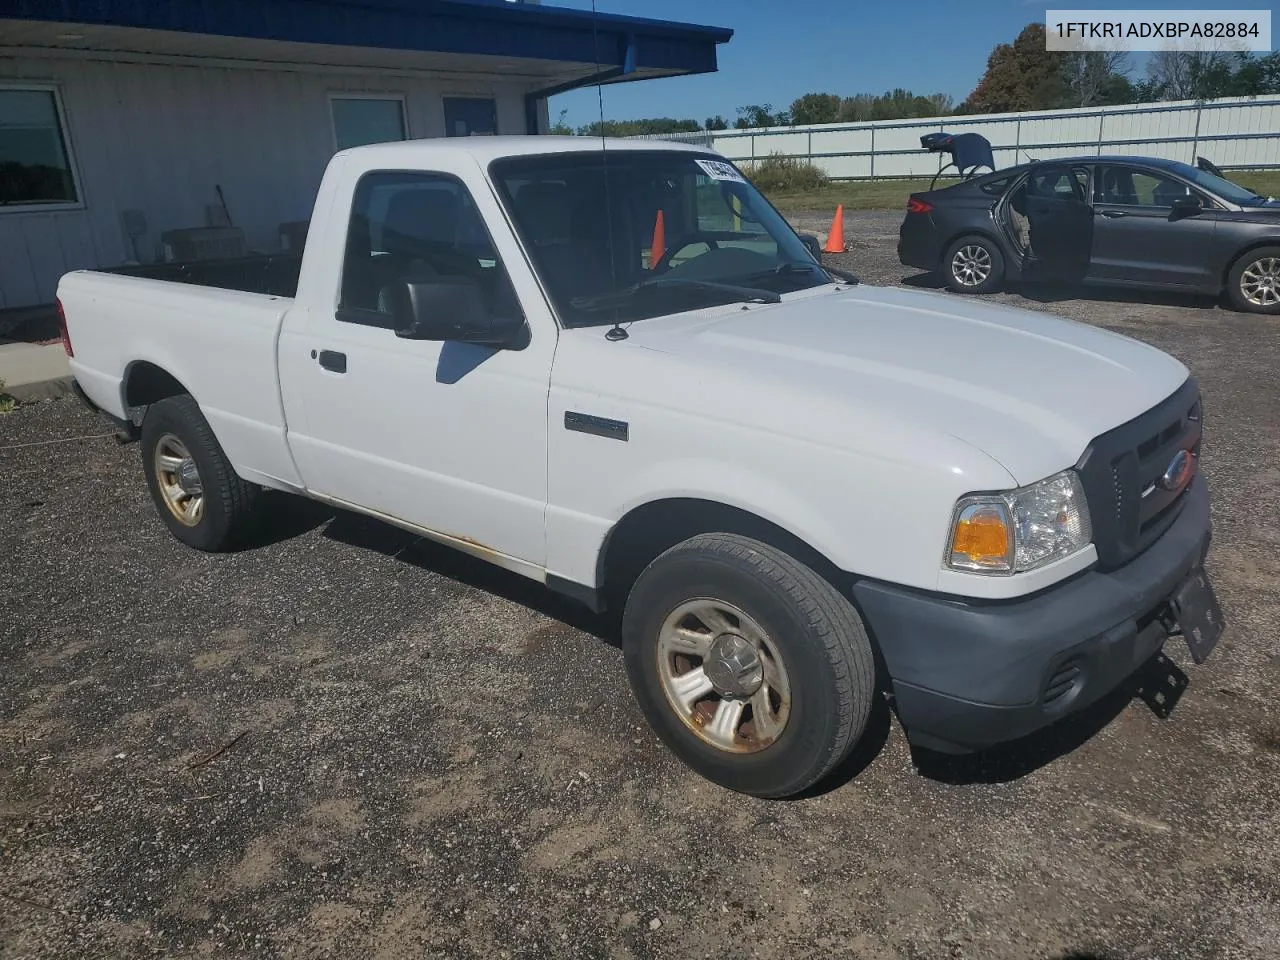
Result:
<point x="124" y="120"/>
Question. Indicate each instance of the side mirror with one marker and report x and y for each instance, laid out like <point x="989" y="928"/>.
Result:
<point x="1186" y="206"/>
<point x="451" y="309"/>
<point x="812" y="245"/>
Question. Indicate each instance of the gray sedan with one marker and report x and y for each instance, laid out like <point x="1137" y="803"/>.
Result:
<point x="1114" y="221"/>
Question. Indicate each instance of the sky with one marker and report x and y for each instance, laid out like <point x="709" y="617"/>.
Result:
<point x="782" y="49"/>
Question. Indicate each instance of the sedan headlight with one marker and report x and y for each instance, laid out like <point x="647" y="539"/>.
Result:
<point x="1019" y="530"/>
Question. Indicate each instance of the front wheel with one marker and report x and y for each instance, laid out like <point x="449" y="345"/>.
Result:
<point x="973" y="265"/>
<point x="1253" y="283"/>
<point x="750" y="666"/>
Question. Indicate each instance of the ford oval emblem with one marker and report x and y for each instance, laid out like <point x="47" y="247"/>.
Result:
<point x="1179" y="471"/>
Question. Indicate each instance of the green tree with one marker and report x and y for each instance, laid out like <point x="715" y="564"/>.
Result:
<point x="716" y="123"/>
<point x="1096" y="76"/>
<point x="1255" y="76"/>
<point x="560" y="128"/>
<point x="898" y="104"/>
<point x="631" y="128"/>
<point x="816" y="108"/>
<point x="760" y="115"/>
<point x="1206" y="74"/>
<point x="1022" y="75"/>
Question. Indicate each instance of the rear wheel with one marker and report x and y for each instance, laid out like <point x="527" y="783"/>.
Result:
<point x="750" y="666"/>
<point x="1253" y="283"/>
<point x="973" y="264"/>
<point x="196" y="491"/>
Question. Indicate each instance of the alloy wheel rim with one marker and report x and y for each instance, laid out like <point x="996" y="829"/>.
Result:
<point x="724" y="676"/>
<point x="179" y="481"/>
<point x="971" y="265"/>
<point x="1260" y="282"/>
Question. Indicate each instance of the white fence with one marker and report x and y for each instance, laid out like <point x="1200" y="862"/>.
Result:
<point x="1235" y="133"/>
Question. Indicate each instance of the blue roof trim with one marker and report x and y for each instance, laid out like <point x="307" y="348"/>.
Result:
<point x="485" y="27"/>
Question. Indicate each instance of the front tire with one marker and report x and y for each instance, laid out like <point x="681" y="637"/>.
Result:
<point x="1253" y="283"/>
<point x="750" y="666"/>
<point x="196" y="491"/>
<point x="973" y="264"/>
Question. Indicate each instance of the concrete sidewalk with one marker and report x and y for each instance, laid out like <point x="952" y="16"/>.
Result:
<point x="33" y="372"/>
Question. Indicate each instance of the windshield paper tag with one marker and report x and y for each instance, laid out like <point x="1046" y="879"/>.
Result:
<point x="719" y="170"/>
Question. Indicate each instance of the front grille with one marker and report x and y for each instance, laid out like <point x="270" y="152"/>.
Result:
<point x="1121" y="471"/>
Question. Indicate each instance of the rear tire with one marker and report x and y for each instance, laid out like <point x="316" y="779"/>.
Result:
<point x="772" y="722"/>
<point x="973" y="264"/>
<point x="1253" y="282"/>
<point x="195" y="489"/>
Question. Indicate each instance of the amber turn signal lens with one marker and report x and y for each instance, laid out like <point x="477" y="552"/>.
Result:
<point x="981" y="538"/>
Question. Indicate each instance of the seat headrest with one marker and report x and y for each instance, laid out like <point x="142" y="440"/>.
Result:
<point x="418" y="214"/>
<point x="545" y="210"/>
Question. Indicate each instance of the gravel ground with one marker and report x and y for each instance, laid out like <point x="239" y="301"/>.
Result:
<point x="351" y="744"/>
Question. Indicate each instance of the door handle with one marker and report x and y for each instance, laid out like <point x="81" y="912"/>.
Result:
<point x="333" y="361"/>
<point x="1112" y="214"/>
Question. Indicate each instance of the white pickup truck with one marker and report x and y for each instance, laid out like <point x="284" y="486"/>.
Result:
<point x="612" y="367"/>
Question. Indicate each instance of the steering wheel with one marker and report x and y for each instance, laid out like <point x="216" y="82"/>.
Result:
<point x="664" y="261"/>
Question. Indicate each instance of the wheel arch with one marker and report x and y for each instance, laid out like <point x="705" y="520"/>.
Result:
<point x="146" y="382"/>
<point x="1240" y="254"/>
<point x="651" y="528"/>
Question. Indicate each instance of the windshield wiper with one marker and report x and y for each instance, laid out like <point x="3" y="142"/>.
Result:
<point x="844" y="275"/>
<point x="736" y="292"/>
<point x="791" y="267"/>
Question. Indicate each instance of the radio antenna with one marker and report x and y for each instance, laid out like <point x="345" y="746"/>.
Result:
<point x="616" y="332"/>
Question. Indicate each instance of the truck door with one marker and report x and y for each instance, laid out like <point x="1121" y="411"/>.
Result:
<point x="1061" y="222"/>
<point x="449" y="437"/>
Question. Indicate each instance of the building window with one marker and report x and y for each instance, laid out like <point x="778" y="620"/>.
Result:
<point x="361" y="120"/>
<point x="35" y="162"/>
<point x="470" y="117"/>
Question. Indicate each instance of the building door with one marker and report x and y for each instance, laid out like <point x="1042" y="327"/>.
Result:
<point x="470" y="117"/>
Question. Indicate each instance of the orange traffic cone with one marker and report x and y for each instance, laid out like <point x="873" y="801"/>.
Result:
<point x="659" y="245"/>
<point x="835" y="239"/>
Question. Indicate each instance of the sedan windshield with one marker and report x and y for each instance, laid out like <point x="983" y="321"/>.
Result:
<point x="629" y="234"/>
<point x="1231" y="192"/>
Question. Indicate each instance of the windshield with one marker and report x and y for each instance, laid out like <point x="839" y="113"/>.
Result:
<point x="1231" y="192"/>
<point x="630" y="234"/>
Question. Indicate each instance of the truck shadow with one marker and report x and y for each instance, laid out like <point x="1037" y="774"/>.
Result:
<point x="366" y="533"/>
<point x="1159" y="683"/>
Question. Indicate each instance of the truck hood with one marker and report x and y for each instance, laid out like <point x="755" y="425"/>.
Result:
<point x="1028" y="389"/>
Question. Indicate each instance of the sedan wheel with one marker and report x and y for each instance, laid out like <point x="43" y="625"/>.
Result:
<point x="973" y="265"/>
<point x="1253" y="284"/>
<point x="1260" y="283"/>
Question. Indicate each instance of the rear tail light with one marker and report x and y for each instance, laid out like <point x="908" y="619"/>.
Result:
<point x="62" y="329"/>
<point x="918" y="206"/>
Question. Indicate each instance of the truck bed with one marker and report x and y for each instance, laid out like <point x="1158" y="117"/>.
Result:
<point x="202" y="325"/>
<point x="273" y="275"/>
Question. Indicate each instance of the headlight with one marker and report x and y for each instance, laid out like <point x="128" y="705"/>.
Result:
<point x="1007" y="533"/>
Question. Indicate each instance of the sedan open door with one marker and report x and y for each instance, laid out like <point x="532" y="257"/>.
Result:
<point x="1061" y="222"/>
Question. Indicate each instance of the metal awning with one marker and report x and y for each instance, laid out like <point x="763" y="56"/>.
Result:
<point x="557" y="44"/>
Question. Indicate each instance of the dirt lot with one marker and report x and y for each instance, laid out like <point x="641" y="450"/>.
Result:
<point x="351" y="744"/>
